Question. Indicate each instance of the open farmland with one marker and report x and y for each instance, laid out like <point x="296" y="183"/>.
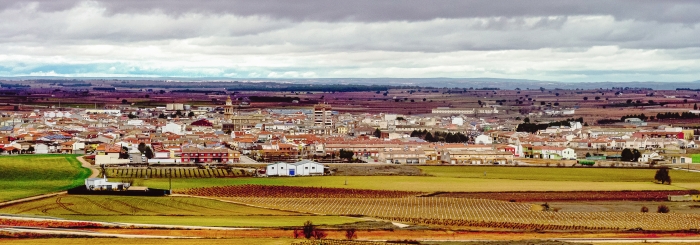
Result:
<point x="420" y="184"/>
<point x="30" y="175"/>
<point x="163" y="210"/>
<point x="479" y="213"/>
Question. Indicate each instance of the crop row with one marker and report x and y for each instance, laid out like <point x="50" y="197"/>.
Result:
<point x="48" y="223"/>
<point x="569" y="196"/>
<point x="479" y="210"/>
<point x="293" y="191"/>
<point x="174" y="172"/>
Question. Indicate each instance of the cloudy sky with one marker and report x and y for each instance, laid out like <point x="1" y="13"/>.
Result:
<point x="554" y="40"/>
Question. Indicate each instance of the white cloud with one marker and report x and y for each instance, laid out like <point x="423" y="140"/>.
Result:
<point x="89" y="38"/>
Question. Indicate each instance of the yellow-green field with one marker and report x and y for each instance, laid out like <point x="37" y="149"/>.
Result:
<point x="30" y="175"/>
<point x="423" y="183"/>
<point x="472" y="178"/>
<point x="164" y="211"/>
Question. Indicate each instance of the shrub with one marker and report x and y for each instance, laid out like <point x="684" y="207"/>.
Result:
<point x="662" y="209"/>
<point x="645" y="209"/>
<point x="351" y="234"/>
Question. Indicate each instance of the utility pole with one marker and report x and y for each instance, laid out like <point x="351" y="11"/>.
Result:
<point x="170" y="181"/>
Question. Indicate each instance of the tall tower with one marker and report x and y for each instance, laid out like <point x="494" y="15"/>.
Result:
<point x="323" y="115"/>
<point x="228" y="109"/>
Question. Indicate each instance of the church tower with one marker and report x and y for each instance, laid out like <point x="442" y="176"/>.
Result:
<point x="228" y="109"/>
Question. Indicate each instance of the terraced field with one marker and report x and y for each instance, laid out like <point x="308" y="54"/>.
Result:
<point x="190" y="172"/>
<point x="478" y="213"/>
<point x="30" y="175"/>
<point x="165" y="211"/>
<point x="142" y="206"/>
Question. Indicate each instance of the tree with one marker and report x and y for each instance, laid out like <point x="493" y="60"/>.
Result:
<point x="30" y="149"/>
<point x="585" y="98"/>
<point x="627" y="155"/>
<point x="308" y="229"/>
<point x="141" y="147"/>
<point x="429" y="137"/>
<point x="597" y="98"/>
<point x="662" y="176"/>
<point x="191" y="114"/>
<point x="132" y="116"/>
<point x="588" y="154"/>
<point x="124" y="153"/>
<point x="351" y="234"/>
<point x="645" y="209"/>
<point x="162" y="116"/>
<point x="125" y="102"/>
<point x="377" y="133"/>
<point x="148" y="152"/>
<point x="695" y="107"/>
<point x="629" y="101"/>
<point x="636" y="154"/>
<point x="526" y="120"/>
<point x="346" y="154"/>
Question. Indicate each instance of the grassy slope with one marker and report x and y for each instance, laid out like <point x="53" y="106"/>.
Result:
<point x="30" y="175"/>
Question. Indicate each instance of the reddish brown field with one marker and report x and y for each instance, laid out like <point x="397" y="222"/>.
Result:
<point x="293" y="191"/>
<point x="569" y="196"/>
<point x="403" y="234"/>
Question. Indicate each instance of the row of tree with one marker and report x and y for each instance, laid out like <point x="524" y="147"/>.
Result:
<point x="526" y="126"/>
<point x="440" y="136"/>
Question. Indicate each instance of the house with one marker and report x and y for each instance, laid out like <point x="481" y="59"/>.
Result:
<point x="96" y="184"/>
<point x="483" y="140"/>
<point x="681" y="159"/>
<point x="301" y="168"/>
<point x="477" y="157"/>
<point x="41" y="148"/>
<point x="404" y="157"/>
<point x="649" y="156"/>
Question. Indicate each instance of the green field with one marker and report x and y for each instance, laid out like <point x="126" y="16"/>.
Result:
<point x="165" y="211"/>
<point x="30" y="175"/>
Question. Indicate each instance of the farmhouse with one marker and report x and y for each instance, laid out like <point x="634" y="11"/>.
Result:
<point x="301" y="168"/>
<point x="98" y="184"/>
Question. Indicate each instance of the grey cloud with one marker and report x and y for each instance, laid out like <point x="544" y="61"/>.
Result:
<point x="679" y="11"/>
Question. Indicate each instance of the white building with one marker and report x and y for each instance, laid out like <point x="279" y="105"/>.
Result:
<point x="458" y="121"/>
<point x="174" y="128"/>
<point x="483" y="140"/>
<point x="301" y="168"/>
<point x="101" y="111"/>
<point x="95" y="184"/>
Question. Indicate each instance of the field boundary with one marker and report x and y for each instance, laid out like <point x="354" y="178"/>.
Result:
<point x="32" y="198"/>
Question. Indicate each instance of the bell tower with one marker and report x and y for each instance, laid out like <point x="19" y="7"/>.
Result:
<point x="228" y="109"/>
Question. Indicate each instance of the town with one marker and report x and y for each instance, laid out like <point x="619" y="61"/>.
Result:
<point x="234" y="130"/>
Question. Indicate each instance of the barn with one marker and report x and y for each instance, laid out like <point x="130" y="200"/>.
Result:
<point x="300" y="168"/>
